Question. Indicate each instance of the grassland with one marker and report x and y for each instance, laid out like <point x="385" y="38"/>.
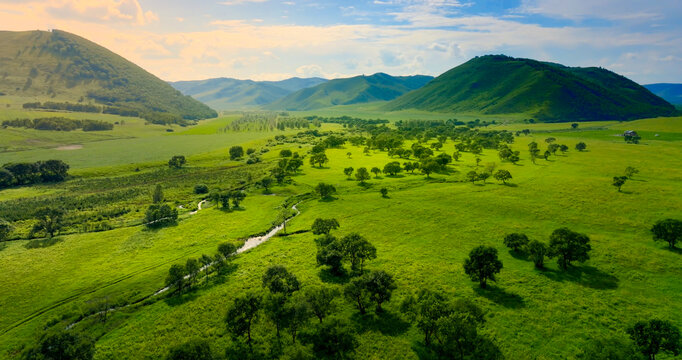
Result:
<point x="422" y="232"/>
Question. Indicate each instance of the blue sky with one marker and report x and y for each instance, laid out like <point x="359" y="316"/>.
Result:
<point x="271" y="40"/>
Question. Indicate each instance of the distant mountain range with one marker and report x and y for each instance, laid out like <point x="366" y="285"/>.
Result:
<point x="62" y="67"/>
<point x="234" y="94"/>
<point x="348" y="91"/>
<point x="672" y="93"/>
<point x="497" y="84"/>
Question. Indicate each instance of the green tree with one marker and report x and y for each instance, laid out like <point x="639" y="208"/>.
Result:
<point x="574" y="125"/>
<point x="5" y="230"/>
<point x="279" y="280"/>
<point x="160" y="215"/>
<point x="550" y="140"/>
<point x="356" y="293"/>
<point x="362" y="174"/>
<point x="503" y="175"/>
<point x="334" y="339"/>
<point x="192" y="268"/>
<point x="319" y="159"/>
<point x="52" y="170"/>
<point x="320" y="300"/>
<point x="568" y="246"/>
<point x="619" y="181"/>
<point x="227" y="249"/>
<point x="285" y="153"/>
<point x="580" y="146"/>
<point x="195" y="349"/>
<point x="392" y="168"/>
<point x="482" y="264"/>
<point x="472" y="176"/>
<point x="237" y="197"/>
<point x="630" y="172"/>
<point x="325" y="191"/>
<point x="357" y="249"/>
<point x="348" y="171"/>
<point x="516" y="241"/>
<point x="563" y="148"/>
<point x="299" y="314"/>
<point x="274" y="306"/>
<point x="236" y="152"/>
<point x="655" y="336"/>
<point x="329" y="253"/>
<point x="176" y="277"/>
<point x="376" y="172"/>
<point x="49" y="220"/>
<point x="157" y="196"/>
<point x="64" y="345"/>
<point x="668" y="230"/>
<point x="612" y="348"/>
<point x="324" y="226"/>
<point x="177" y="162"/>
<point x="537" y="251"/>
<point x="200" y="189"/>
<point x="379" y="285"/>
<point x="424" y="310"/>
<point x="384" y="192"/>
<point x="429" y="167"/>
<point x="457" y="333"/>
<point x="241" y="315"/>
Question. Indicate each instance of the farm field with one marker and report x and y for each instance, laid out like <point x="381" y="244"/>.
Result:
<point x="423" y="231"/>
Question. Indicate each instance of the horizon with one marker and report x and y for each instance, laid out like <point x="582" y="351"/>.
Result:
<point x="265" y="40"/>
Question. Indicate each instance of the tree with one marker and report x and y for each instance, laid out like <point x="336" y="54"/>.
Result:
<point x="376" y="171"/>
<point x="157" y="196"/>
<point x="568" y="246"/>
<point x="348" y="171"/>
<point x="236" y="152"/>
<point x="553" y="148"/>
<point x="325" y="190"/>
<point x="64" y="345"/>
<point x="320" y="299"/>
<point x="483" y="176"/>
<point x="266" y="182"/>
<point x="443" y="159"/>
<point x="6" y="178"/>
<point x="176" y="161"/>
<point x="668" y="230"/>
<point x="349" y="154"/>
<point x="580" y="146"/>
<point x="611" y="348"/>
<point x="280" y="281"/>
<point x="379" y="285"/>
<point x="285" y="153"/>
<point x="619" y="181"/>
<point x="324" y="226"/>
<point x="362" y="174"/>
<point x="50" y="220"/>
<point x="458" y="337"/>
<point x="160" y="215"/>
<point x="563" y="148"/>
<point x="537" y="251"/>
<point x="242" y="314"/>
<point x="456" y="155"/>
<point x="237" y="197"/>
<point x="472" y="176"/>
<point x="574" y="125"/>
<point x="357" y="249"/>
<point x="319" y="159"/>
<point x="333" y="339"/>
<point x="298" y="314"/>
<point x="503" y="175"/>
<point x="250" y="151"/>
<point x="550" y="140"/>
<point x="630" y="172"/>
<point x="200" y="189"/>
<point x="52" y="170"/>
<point x="356" y="293"/>
<point x="516" y="241"/>
<point x="482" y="264"/>
<point x="654" y="336"/>
<point x="384" y="192"/>
<point x="546" y="154"/>
<point x="329" y="253"/>
<point x="176" y="277"/>
<point x="429" y="166"/>
<point x="392" y="168"/>
<point x="206" y="262"/>
<point x="192" y="268"/>
<point x="5" y="230"/>
<point x="424" y="310"/>
<point x="227" y="249"/>
<point x="195" y="349"/>
<point x="276" y="310"/>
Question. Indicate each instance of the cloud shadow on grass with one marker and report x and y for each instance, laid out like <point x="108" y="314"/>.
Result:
<point x="500" y="296"/>
<point x="588" y="276"/>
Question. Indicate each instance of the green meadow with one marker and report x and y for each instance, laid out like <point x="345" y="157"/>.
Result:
<point x="423" y="230"/>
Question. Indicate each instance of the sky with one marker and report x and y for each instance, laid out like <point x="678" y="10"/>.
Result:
<point x="273" y="40"/>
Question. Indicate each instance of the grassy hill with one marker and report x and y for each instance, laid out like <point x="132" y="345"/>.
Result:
<point x="672" y="93"/>
<point x="497" y="84"/>
<point x="62" y="67"/>
<point x="354" y="90"/>
<point x="230" y="94"/>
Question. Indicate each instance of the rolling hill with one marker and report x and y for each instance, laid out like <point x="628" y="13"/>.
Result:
<point x="61" y="67"/>
<point x="354" y="90"/>
<point x="229" y="94"/>
<point x="672" y="93"/>
<point x="498" y="84"/>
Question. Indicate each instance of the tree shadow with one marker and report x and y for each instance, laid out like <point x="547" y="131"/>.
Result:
<point x="180" y="299"/>
<point x="396" y="176"/>
<point x="328" y="199"/>
<point x="501" y="297"/>
<point x="3" y="245"/>
<point x="509" y="185"/>
<point x="327" y="276"/>
<point x="675" y="250"/>
<point x="43" y="243"/>
<point x="385" y="322"/>
<point x="588" y="276"/>
<point x="519" y="255"/>
<point x="425" y="352"/>
<point x="627" y="192"/>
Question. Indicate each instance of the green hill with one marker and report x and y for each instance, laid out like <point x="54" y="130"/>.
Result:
<point x="497" y="84"/>
<point x="672" y="93"/>
<point x="229" y="94"/>
<point x="61" y="67"/>
<point x="358" y="89"/>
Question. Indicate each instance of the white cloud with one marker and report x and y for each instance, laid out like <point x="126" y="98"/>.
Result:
<point x="239" y="2"/>
<point x="619" y="10"/>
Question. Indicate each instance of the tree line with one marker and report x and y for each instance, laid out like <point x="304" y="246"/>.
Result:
<point x="59" y="124"/>
<point x="33" y="173"/>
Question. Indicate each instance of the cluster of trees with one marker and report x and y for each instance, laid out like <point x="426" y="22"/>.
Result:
<point x="33" y="173"/>
<point x="318" y="156"/>
<point x="325" y="191"/>
<point x="177" y="162"/>
<point x="288" y="164"/>
<point x="566" y="245"/>
<point x="619" y="181"/>
<point x="159" y="215"/>
<point x="333" y="251"/>
<point x="59" y="124"/>
<point x="65" y="106"/>
<point x="223" y="198"/>
<point x="185" y="277"/>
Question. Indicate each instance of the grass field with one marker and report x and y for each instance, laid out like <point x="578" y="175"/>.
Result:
<point x="423" y="232"/>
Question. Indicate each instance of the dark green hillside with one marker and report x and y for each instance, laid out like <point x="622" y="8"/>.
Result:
<point x="497" y="84"/>
<point x="672" y="93"/>
<point x="59" y="66"/>
<point x="296" y="83"/>
<point x="358" y="89"/>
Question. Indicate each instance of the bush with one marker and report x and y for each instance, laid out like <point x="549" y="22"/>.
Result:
<point x="200" y="189"/>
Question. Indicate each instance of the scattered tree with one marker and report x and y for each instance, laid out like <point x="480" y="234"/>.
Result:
<point x="655" y="336"/>
<point x="348" y="171"/>
<point x="384" y="192"/>
<point x="227" y="249"/>
<point x="324" y="226"/>
<point x="362" y="174"/>
<point x="424" y="310"/>
<point x="630" y="172"/>
<point x="195" y="349"/>
<point x="357" y="249"/>
<point x="333" y="339"/>
<point x="580" y="146"/>
<point x="176" y="161"/>
<point x="349" y="154"/>
<point x="482" y="264"/>
<point x="619" y="181"/>
<point x="266" y="182"/>
<point x="285" y="153"/>
<point x="516" y="241"/>
<point x="160" y="215"/>
<point x="537" y="251"/>
<point x="319" y="159"/>
<point x="668" y="230"/>
<point x="320" y="299"/>
<point x="503" y="175"/>
<point x="242" y="314"/>
<point x="63" y="345"/>
<point x="50" y="220"/>
<point x="280" y="281"/>
<point x="357" y="294"/>
<point x="200" y="189"/>
<point x="568" y="246"/>
<point x="5" y="230"/>
<point x="176" y="277"/>
<point x="379" y="285"/>
<point x="192" y="268"/>
<point x="325" y="190"/>
<point x="574" y="125"/>
<point x="157" y="196"/>
<point x="392" y="168"/>
<point x="236" y="152"/>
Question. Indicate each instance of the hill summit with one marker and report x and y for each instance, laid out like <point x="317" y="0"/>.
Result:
<point x="354" y="90"/>
<point x="498" y="84"/>
<point x="59" y="66"/>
